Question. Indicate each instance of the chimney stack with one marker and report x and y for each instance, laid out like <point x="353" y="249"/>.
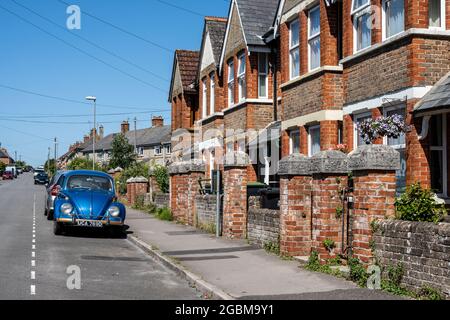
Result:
<point x="86" y="138"/>
<point x="125" y="127"/>
<point x="101" y="132"/>
<point x="158" y="121"/>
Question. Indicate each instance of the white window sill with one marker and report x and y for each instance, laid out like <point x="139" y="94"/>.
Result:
<point x="237" y="105"/>
<point x="397" y="37"/>
<point x="311" y="74"/>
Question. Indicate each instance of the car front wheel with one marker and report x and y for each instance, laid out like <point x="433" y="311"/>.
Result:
<point x="58" y="228"/>
<point x="49" y="215"/>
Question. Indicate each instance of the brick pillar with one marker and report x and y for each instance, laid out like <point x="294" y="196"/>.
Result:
<point x="295" y="205"/>
<point x="330" y="174"/>
<point x="235" y="195"/>
<point x="373" y="168"/>
<point x="130" y="191"/>
<point x="329" y="134"/>
<point x="184" y="187"/>
<point x="140" y="187"/>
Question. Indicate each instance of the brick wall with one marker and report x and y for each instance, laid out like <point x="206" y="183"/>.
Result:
<point x="263" y="226"/>
<point x="162" y="200"/>
<point x="422" y="248"/>
<point x="206" y="206"/>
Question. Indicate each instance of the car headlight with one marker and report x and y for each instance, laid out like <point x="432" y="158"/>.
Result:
<point x="66" y="208"/>
<point x="114" y="211"/>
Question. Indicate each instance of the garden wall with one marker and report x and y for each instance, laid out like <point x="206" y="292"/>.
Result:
<point x="206" y="210"/>
<point x="162" y="200"/>
<point x="263" y="226"/>
<point x="422" y="247"/>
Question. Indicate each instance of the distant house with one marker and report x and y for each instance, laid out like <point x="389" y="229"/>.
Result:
<point x="5" y="158"/>
<point x="153" y="144"/>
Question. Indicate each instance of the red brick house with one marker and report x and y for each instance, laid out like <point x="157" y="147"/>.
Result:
<point x="345" y="61"/>
<point x="183" y="96"/>
<point x="5" y="157"/>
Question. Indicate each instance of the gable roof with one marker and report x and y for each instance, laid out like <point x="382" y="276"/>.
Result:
<point x="187" y="62"/>
<point x="144" y="138"/>
<point x="256" y="18"/>
<point x="437" y="98"/>
<point x="4" y="153"/>
<point x="216" y="28"/>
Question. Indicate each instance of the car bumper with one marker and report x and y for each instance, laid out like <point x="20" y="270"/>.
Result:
<point x="105" y="223"/>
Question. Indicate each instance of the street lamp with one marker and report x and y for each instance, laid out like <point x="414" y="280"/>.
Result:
<point x="93" y="99"/>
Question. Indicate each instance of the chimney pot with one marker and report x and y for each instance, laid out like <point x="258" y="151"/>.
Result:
<point x="158" y="121"/>
<point x="125" y="127"/>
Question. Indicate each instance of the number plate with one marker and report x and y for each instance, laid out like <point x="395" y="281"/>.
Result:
<point x="89" y="223"/>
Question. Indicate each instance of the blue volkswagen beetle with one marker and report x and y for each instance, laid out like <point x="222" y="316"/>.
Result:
<point x="88" y="199"/>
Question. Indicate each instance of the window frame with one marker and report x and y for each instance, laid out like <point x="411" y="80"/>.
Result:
<point x="204" y="99"/>
<point x="230" y="83"/>
<point x="314" y="127"/>
<point x="241" y="77"/>
<point x="212" y="93"/>
<point x="168" y="149"/>
<point x="263" y="74"/>
<point x="443" y="17"/>
<point x="357" y="116"/>
<point x="291" y="140"/>
<point x="157" y="150"/>
<point x="384" y="25"/>
<point x="313" y="37"/>
<point x="294" y="48"/>
<point x="356" y="14"/>
<point x="443" y="148"/>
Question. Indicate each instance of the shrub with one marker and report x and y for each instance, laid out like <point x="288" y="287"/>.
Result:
<point x="419" y="204"/>
<point x="358" y="273"/>
<point x="139" y="202"/>
<point x="164" y="214"/>
<point x="329" y="244"/>
<point x="162" y="178"/>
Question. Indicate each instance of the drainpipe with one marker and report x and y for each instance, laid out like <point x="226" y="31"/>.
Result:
<point x="275" y="84"/>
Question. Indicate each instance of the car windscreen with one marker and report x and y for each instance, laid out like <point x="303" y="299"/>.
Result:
<point x="88" y="182"/>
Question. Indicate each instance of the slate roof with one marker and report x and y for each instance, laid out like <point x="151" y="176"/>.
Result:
<point x="3" y="154"/>
<point x="216" y="28"/>
<point x="257" y="17"/>
<point x="188" y="65"/>
<point x="289" y="4"/>
<point x="144" y="137"/>
<point x="437" y="98"/>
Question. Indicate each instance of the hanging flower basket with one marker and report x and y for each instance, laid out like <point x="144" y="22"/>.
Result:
<point x="392" y="127"/>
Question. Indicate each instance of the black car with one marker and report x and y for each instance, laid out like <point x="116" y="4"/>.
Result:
<point x="41" y="178"/>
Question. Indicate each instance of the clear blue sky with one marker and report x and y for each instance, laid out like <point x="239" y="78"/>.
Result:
<point x="34" y="61"/>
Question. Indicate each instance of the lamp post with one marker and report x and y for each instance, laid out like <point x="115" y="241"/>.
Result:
<point x="93" y="99"/>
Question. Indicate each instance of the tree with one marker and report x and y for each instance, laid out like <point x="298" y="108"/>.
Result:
<point x="82" y="164"/>
<point x="50" y="167"/>
<point x="2" y="167"/>
<point x="161" y="175"/>
<point x="137" y="169"/>
<point x="122" y="154"/>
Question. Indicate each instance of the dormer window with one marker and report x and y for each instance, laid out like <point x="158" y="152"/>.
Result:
<point x="230" y="83"/>
<point x="362" y="28"/>
<point x="241" y="78"/>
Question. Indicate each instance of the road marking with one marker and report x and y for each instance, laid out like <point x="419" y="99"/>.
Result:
<point x="33" y="263"/>
<point x="33" y="247"/>
<point x="33" y="254"/>
<point x="33" y="275"/>
<point x="33" y="290"/>
<point x="34" y="240"/>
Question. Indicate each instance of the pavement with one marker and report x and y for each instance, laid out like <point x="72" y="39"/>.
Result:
<point x="234" y="269"/>
<point x="34" y="262"/>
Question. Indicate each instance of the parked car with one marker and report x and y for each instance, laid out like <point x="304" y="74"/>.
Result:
<point x="13" y="170"/>
<point x="53" y="189"/>
<point x="37" y="171"/>
<point x="8" y="175"/>
<point x="41" y="178"/>
<point x="88" y="199"/>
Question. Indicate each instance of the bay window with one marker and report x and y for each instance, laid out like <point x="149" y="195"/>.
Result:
<point x="314" y="140"/>
<point x="212" y="89"/>
<point x="314" y="38"/>
<point x="230" y="83"/>
<point x="294" y="141"/>
<point x="393" y="17"/>
<point x="438" y="154"/>
<point x="204" y="99"/>
<point x="362" y="28"/>
<point x="436" y="14"/>
<point x="263" y="68"/>
<point x="294" y="49"/>
<point x="241" y="77"/>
